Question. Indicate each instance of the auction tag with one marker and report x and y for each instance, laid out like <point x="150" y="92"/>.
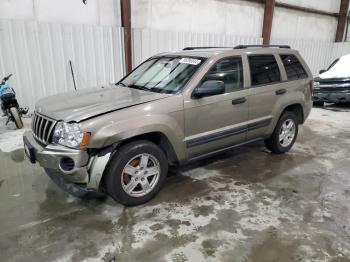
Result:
<point x="190" y="61"/>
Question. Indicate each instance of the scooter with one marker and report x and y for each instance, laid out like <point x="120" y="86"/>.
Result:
<point x="9" y="104"/>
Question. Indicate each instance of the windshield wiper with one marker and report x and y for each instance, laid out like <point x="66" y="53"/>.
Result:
<point x="140" y="88"/>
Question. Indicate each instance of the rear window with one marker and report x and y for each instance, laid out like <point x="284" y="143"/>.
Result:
<point x="293" y="67"/>
<point x="264" y="70"/>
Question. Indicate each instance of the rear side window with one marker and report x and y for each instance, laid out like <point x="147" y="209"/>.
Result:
<point x="293" y="67"/>
<point x="264" y="70"/>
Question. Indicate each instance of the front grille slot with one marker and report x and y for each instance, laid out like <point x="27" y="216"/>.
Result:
<point x="42" y="128"/>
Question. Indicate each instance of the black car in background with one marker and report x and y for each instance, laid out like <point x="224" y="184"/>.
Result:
<point x="333" y="84"/>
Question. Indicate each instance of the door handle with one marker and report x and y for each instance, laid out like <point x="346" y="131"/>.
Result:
<point x="240" y="100"/>
<point x="281" y="91"/>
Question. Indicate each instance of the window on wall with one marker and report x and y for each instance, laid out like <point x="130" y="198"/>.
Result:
<point x="264" y="70"/>
<point x="293" y="67"/>
<point x="230" y="71"/>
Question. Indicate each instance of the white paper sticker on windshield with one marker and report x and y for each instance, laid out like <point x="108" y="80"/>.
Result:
<point x="190" y="61"/>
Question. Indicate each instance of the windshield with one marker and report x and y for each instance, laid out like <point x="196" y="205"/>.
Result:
<point x="163" y="74"/>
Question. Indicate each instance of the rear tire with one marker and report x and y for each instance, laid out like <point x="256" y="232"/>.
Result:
<point x="16" y="117"/>
<point x="128" y="176"/>
<point x="284" y="135"/>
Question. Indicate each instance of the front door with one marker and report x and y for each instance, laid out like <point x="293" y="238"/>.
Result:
<point x="218" y="121"/>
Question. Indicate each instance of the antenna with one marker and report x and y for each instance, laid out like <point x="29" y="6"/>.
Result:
<point x="71" y="70"/>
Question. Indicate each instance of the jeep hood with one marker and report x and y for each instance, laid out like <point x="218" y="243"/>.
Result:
<point x="87" y="103"/>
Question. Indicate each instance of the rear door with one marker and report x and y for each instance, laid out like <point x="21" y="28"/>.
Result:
<point x="297" y="84"/>
<point x="218" y="121"/>
<point x="264" y="92"/>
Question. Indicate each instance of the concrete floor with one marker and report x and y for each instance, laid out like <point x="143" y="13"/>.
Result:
<point x="244" y="205"/>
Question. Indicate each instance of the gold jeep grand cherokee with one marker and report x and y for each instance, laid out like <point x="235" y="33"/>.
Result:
<point x="172" y="109"/>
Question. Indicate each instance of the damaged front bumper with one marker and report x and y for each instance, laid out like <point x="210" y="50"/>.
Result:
<point x="336" y="93"/>
<point x="70" y="167"/>
<point x="332" y="97"/>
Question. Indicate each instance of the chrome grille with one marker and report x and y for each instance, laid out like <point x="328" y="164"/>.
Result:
<point x="42" y="128"/>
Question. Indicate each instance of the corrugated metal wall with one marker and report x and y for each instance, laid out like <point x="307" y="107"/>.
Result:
<point x="147" y="42"/>
<point x="38" y="55"/>
<point x="340" y="49"/>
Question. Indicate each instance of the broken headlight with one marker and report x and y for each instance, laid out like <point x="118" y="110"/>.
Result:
<point x="68" y="134"/>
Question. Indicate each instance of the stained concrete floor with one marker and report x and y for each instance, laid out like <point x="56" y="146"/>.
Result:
<point x="244" y="205"/>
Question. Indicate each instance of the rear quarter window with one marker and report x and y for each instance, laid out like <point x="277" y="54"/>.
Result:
<point x="293" y="67"/>
<point x="263" y="70"/>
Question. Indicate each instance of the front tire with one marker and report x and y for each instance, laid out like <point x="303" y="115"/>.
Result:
<point x="284" y="135"/>
<point x="16" y="117"/>
<point x="136" y="173"/>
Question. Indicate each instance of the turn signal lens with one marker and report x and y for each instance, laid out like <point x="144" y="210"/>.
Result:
<point x="85" y="141"/>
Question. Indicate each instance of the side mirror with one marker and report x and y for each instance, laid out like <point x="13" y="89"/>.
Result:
<point x="322" y="71"/>
<point x="209" y="88"/>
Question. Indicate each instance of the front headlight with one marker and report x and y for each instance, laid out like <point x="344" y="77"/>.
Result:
<point x="69" y="134"/>
<point x="316" y="85"/>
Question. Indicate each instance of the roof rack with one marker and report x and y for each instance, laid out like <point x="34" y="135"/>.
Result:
<point x="203" y="47"/>
<point x="247" y="46"/>
<point x="236" y="47"/>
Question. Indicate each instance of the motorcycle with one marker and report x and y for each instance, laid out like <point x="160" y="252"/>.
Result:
<point x="9" y="104"/>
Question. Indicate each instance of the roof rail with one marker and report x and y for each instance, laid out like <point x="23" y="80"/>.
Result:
<point x="203" y="47"/>
<point x="247" y="46"/>
<point x="236" y="47"/>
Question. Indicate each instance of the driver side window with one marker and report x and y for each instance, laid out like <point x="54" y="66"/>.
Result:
<point x="230" y="71"/>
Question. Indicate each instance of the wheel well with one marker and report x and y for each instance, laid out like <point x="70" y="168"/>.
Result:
<point x="298" y="110"/>
<point x="159" y="139"/>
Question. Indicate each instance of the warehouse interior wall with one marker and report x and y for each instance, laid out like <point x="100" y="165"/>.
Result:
<point x="323" y="5"/>
<point x="94" y="12"/>
<point x="211" y="16"/>
<point x="347" y="32"/>
<point x="38" y="38"/>
<point x="290" y="24"/>
<point x="232" y="17"/>
<point x="235" y="17"/>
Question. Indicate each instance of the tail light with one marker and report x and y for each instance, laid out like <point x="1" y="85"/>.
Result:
<point x="311" y="86"/>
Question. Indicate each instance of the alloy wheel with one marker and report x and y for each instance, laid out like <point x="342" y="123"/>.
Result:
<point x="140" y="175"/>
<point x="287" y="133"/>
